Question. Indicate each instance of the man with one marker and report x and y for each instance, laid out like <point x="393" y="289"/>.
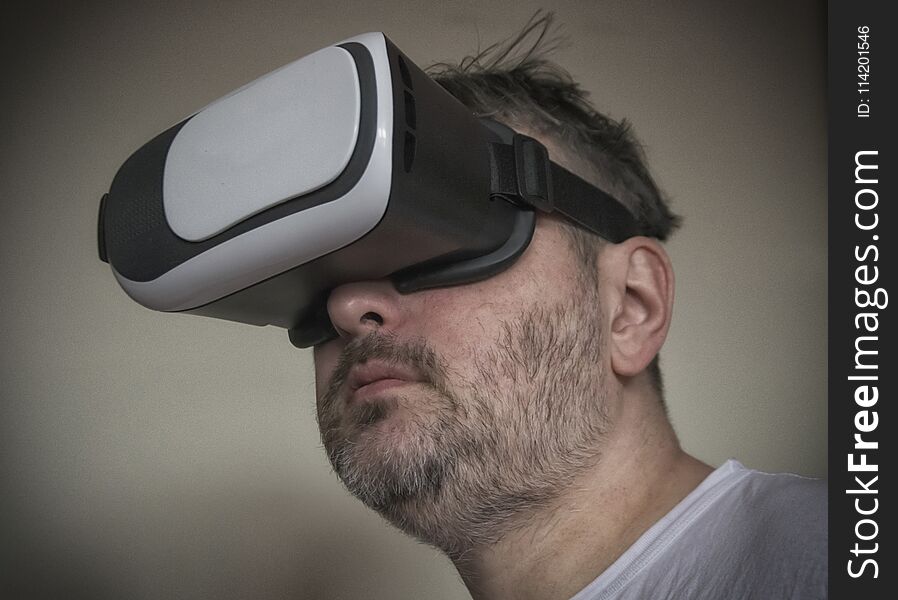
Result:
<point x="518" y="424"/>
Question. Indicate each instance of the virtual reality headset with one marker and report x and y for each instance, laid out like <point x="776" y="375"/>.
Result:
<point x="349" y="164"/>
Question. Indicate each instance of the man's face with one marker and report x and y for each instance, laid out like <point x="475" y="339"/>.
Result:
<point x="450" y="411"/>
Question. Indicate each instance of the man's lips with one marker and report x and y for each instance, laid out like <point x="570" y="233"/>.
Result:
<point x="370" y="378"/>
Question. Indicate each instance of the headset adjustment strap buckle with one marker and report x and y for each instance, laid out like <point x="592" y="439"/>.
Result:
<point x="534" y="175"/>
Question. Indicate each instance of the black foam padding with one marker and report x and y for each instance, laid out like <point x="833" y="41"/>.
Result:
<point x="478" y="268"/>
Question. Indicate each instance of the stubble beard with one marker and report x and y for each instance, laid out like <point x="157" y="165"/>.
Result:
<point x="471" y="458"/>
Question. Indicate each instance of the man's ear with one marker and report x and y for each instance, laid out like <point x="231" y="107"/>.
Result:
<point x="641" y="295"/>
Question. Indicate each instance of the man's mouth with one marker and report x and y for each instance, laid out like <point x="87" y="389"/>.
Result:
<point x="369" y="379"/>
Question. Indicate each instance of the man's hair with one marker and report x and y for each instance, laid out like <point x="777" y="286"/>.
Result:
<point x="515" y="83"/>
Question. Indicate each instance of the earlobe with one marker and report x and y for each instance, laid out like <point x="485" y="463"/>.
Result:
<point x="644" y="304"/>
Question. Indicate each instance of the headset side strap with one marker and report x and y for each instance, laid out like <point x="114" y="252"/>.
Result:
<point x="523" y="174"/>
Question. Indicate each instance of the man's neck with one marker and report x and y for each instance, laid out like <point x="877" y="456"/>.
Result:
<point x="641" y="475"/>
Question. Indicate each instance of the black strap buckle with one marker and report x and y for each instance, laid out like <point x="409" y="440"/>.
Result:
<point x="534" y="176"/>
<point x="522" y="174"/>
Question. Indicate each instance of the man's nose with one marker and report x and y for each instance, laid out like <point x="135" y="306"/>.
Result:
<point x="359" y="308"/>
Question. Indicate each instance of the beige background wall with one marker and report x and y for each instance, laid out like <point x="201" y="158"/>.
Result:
<point x="161" y="456"/>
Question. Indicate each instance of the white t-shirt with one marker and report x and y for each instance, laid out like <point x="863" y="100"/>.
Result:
<point x="740" y="534"/>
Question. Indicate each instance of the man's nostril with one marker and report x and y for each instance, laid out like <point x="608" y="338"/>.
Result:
<point x="373" y="317"/>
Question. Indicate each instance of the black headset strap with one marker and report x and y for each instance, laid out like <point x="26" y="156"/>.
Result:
<point x="522" y="173"/>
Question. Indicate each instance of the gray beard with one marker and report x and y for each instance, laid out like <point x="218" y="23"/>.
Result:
<point x="490" y="450"/>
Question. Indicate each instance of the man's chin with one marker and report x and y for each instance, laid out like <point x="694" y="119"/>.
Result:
<point x="392" y="460"/>
<point x="396" y="426"/>
<point x="392" y="444"/>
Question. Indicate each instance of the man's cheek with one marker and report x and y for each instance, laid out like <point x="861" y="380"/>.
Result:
<point x="457" y="330"/>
